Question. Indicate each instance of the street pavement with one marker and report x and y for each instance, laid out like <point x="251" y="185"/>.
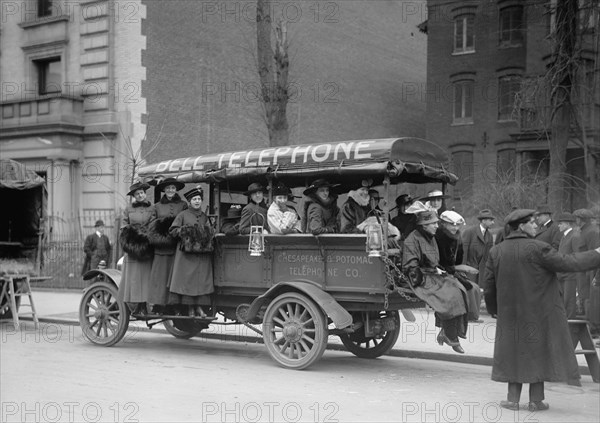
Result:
<point x="417" y="339"/>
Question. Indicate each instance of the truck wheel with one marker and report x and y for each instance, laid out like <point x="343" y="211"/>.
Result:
<point x="102" y="316"/>
<point x="369" y="347"/>
<point x="295" y="331"/>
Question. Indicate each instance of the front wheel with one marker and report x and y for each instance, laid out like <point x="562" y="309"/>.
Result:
<point x="103" y="317"/>
<point x="184" y="329"/>
<point x="372" y="347"/>
<point x="295" y="331"/>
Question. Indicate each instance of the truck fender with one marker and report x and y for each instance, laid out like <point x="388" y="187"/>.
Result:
<point x="340" y="317"/>
<point x="110" y="276"/>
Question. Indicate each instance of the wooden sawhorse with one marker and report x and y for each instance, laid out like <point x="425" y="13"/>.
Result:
<point x="580" y="334"/>
<point x="14" y="286"/>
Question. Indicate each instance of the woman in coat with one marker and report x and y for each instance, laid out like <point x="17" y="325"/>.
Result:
<point x="169" y="206"/>
<point x="320" y="209"/>
<point x="533" y="343"/>
<point x="137" y="263"/>
<point x="192" y="276"/>
<point x="255" y="212"/>
<point x="356" y="208"/>
<point x="282" y="218"/>
<point x="441" y="291"/>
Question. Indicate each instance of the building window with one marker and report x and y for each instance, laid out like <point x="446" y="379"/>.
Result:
<point x="463" y="102"/>
<point x="508" y="87"/>
<point x="44" y="8"/>
<point x="49" y="75"/>
<point x="511" y="26"/>
<point x="463" y="34"/>
<point x="463" y="167"/>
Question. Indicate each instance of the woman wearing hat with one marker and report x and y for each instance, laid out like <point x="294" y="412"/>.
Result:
<point x="137" y="264"/>
<point x="441" y="291"/>
<point x="282" y="219"/>
<point x="255" y="212"/>
<point x="405" y="222"/>
<point x="320" y="208"/>
<point x="434" y="200"/>
<point x="192" y="276"/>
<point x="169" y="206"/>
<point x="356" y="208"/>
<point x="231" y="222"/>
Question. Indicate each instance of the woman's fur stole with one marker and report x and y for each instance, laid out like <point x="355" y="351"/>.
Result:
<point x="158" y="233"/>
<point x="135" y="242"/>
<point x="196" y="239"/>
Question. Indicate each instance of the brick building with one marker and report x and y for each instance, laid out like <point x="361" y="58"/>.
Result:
<point x="480" y="55"/>
<point x="88" y="84"/>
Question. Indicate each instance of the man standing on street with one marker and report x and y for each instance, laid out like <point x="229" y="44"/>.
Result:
<point x="477" y="241"/>
<point x="533" y="344"/>
<point x="569" y="243"/>
<point x="587" y="292"/>
<point x="97" y="248"/>
<point x="547" y="230"/>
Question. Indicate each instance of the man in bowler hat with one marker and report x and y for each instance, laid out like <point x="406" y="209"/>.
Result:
<point x="97" y="248"/>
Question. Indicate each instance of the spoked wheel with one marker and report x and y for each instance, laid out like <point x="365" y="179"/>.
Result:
<point x="295" y="330"/>
<point x="103" y="317"/>
<point x="184" y="329"/>
<point x="370" y="347"/>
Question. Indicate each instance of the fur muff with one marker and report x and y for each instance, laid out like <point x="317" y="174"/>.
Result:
<point x="158" y="233"/>
<point x="135" y="242"/>
<point x="196" y="239"/>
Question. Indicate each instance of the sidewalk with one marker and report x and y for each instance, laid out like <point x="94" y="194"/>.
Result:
<point x="417" y="339"/>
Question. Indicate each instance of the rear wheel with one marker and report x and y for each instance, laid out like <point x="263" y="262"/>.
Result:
<point x="184" y="329"/>
<point x="295" y="331"/>
<point x="103" y="317"/>
<point x="372" y="347"/>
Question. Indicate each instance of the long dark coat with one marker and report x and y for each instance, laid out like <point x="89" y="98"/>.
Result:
<point x="476" y="250"/>
<point x="192" y="272"/>
<point x="96" y="248"/>
<point x="549" y="233"/>
<point x="533" y="343"/>
<point x="569" y="244"/>
<point x="253" y="215"/>
<point x="321" y="217"/>
<point x="162" y="265"/>
<point x="352" y="215"/>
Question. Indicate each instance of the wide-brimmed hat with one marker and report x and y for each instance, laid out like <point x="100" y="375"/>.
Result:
<point x="138" y="186"/>
<point x="432" y="195"/>
<point x="99" y="222"/>
<point x="234" y="212"/>
<point x="426" y="217"/>
<point x="404" y="200"/>
<point x="565" y="217"/>
<point x="584" y="213"/>
<point x="170" y="181"/>
<point x="450" y="216"/>
<point x="194" y="192"/>
<point x="519" y="214"/>
<point x="543" y="209"/>
<point x="281" y="189"/>
<point x="319" y="183"/>
<point x="485" y="214"/>
<point x="255" y="187"/>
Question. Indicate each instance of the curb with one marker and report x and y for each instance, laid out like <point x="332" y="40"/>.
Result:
<point x="423" y="355"/>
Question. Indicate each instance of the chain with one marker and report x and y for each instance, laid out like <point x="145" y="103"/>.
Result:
<point x="393" y="273"/>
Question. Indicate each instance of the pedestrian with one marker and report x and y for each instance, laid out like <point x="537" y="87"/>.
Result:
<point x="137" y="263"/>
<point x="321" y="212"/>
<point x="435" y="201"/>
<point x="533" y="343"/>
<point x="192" y="277"/>
<point x="255" y="212"/>
<point x="97" y="248"/>
<point x="445" y="294"/>
<point x="356" y="208"/>
<point x="169" y="206"/>
<point x="405" y="222"/>
<point x="569" y="243"/>
<point x="282" y="218"/>
<point x="589" y="239"/>
<point x="547" y="230"/>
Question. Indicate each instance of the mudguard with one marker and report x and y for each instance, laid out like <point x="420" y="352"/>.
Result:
<point x="340" y="317"/>
<point x="109" y="275"/>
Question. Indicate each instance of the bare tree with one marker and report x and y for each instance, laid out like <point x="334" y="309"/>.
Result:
<point x="273" y="67"/>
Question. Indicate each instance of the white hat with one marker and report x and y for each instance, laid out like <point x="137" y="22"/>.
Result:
<point x="452" y="217"/>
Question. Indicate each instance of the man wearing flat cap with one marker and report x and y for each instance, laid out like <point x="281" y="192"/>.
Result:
<point x="477" y="241"/>
<point x="547" y="230"/>
<point x="97" y="248"/>
<point x="589" y="239"/>
<point x="533" y="343"/>
<point x="569" y="243"/>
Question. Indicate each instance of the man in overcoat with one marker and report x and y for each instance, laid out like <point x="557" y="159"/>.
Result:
<point x="589" y="294"/>
<point x="477" y="241"/>
<point x="547" y="230"/>
<point x="97" y="248"/>
<point x="533" y="344"/>
<point x="569" y="243"/>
